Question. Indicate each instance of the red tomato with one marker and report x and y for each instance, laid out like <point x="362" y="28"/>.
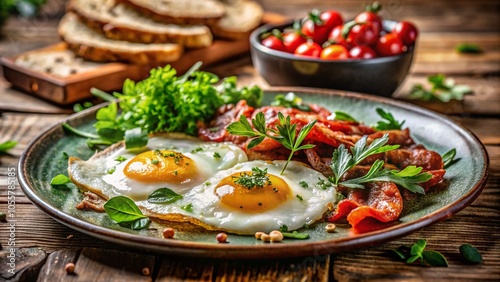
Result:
<point x="362" y="52"/>
<point x="334" y="52"/>
<point x="389" y="45"/>
<point x="274" y="43"/>
<point x="362" y="34"/>
<point x="317" y="26"/>
<point x="370" y="17"/>
<point x="406" y="31"/>
<point x="309" y="49"/>
<point x="335" y="37"/>
<point x="292" y="41"/>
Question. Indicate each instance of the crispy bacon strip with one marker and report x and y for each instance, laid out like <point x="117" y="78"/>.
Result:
<point x="379" y="200"/>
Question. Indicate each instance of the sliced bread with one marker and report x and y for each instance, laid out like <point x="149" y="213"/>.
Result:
<point x="117" y="21"/>
<point x="241" y="18"/>
<point x="183" y="12"/>
<point x="93" y="46"/>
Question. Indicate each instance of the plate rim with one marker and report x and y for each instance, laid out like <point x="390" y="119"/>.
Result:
<point x="281" y="250"/>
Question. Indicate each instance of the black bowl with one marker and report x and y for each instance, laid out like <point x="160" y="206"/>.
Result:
<point x="379" y="76"/>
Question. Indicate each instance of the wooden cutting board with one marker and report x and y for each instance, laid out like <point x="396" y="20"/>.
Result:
<point x="110" y="76"/>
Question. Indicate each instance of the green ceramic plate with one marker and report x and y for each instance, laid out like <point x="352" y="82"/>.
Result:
<point x="44" y="159"/>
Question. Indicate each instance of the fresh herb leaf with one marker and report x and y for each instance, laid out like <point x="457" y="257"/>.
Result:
<point x="299" y="197"/>
<point x="163" y="196"/>
<point x="7" y="145"/>
<point x="471" y="254"/>
<point x="295" y="235"/>
<point x="389" y="123"/>
<point x="285" y="134"/>
<point x="290" y="100"/>
<point x="135" y="138"/>
<point x="322" y="184"/>
<point x="124" y="212"/>
<point x="78" y="132"/>
<point x="259" y="178"/>
<point x="434" y="258"/>
<point x="217" y="155"/>
<point x="103" y="95"/>
<point x="442" y="89"/>
<point x="196" y="150"/>
<point x="188" y="207"/>
<point x="339" y="115"/>
<point x="60" y="179"/>
<point x="468" y="48"/>
<point x="304" y="184"/>
<point x="120" y="159"/>
<point x="111" y="170"/>
<point x="449" y="157"/>
<point x="65" y="155"/>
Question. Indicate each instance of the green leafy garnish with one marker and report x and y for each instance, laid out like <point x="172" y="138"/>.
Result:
<point x="294" y="235"/>
<point x="216" y="155"/>
<point x="111" y="170"/>
<point x="7" y="145"/>
<point x="418" y="252"/>
<point x="124" y="212"/>
<point x="59" y="180"/>
<point x="389" y="121"/>
<point x="442" y="89"/>
<point x="290" y="100"/>
<point x="471" y="254"/>
<point x="120" y="159"/>
<point x="299" y="197"/>
<point x="164" y="102"/>
<point x="80" y="107"/>
<point x="342" y="161"/>
<point x="322" y="184"/>
<point x="304" y="184"/>
<point x="259" y="178"/>
<point x="339" y="115"/>
<point x="188" y="207"/>
<point x="285" y="134"/>
<point x="468" y="48"/>
<point x="163" y="196"/>
<point x="449" y="157"/>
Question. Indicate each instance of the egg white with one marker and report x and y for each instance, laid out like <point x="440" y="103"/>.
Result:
<point x="103" y="174"/>
<point x="207" y="210"/>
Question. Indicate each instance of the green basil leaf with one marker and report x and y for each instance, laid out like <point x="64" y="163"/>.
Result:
<point x="188" y="207"/>
<point x="78" y="132"/>
<point x="60" y="179"/>
<point x="136" y="224"/>
<point x="434" y="258"/>
<point x="163" y="196"/>
<point x="122" y="209"/>
<point x="339" y="115"/>
<point x="7" y="145"/>
<point x="135" y="138"/>
<point x="471" y="254"/>
<point x="418" y="247"/>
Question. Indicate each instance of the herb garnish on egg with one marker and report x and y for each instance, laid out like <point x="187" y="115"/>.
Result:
<point x="259" y="178"/>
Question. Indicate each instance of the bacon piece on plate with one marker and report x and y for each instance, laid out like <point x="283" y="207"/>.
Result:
<point x="379" y="200"/>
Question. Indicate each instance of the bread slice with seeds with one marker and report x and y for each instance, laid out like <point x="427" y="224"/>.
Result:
<point x="93" y="46"/>
<point x="183" y="12"/>
<point x="241" y="18"/>
<point x="117" y="21"/>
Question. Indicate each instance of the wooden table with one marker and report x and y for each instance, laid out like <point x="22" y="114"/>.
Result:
<point x="46" y="245"/>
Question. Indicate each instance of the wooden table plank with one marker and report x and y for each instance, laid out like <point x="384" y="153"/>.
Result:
<point x="173" y="268"/>
<point x="54" y="268"/>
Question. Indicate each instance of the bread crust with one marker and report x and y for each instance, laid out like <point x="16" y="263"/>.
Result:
<point x="241" y="18"/>
<point x="159" y="16"/>
<point x="94" y="52"/>
<point x="202" y="38"/>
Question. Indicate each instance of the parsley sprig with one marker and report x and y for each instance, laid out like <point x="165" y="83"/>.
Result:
<point x="442" y="89"/>
<point x="285" y="133"/>
<point x="342" y="161"/>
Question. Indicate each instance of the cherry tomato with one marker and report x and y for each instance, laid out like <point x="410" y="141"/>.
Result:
<point x="389" y="45"/>
<point x="362" y="34"/>
<point x="274" y="43"/>
<point x="335" y="37"/>
<point x="370" y="17"/>
<point x="309" y="49"/>
<point x="362" y="52"/>
<point x="292" y="41"/>
<point x="317" y="26"/>
<point x="334" y="52"/>
<point x="406" y="31"/>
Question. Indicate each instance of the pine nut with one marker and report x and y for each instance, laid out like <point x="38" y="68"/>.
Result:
<point x="258" y="235"/>
<point x="276" y="236"/>
<point x="330" y="228"/>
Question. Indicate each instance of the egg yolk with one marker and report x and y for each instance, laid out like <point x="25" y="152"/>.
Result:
<point x="271" y="194"/>
<point x="161" y="165"/>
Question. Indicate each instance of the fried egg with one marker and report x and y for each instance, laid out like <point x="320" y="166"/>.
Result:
<point x="176" y="161"/>
<point x="295" y="198"/>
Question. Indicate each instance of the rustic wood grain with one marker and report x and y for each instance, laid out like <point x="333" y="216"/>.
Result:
<point x="173" y="269"/>
<point x="54" y="268"/>
<point x="21" y="264"/>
